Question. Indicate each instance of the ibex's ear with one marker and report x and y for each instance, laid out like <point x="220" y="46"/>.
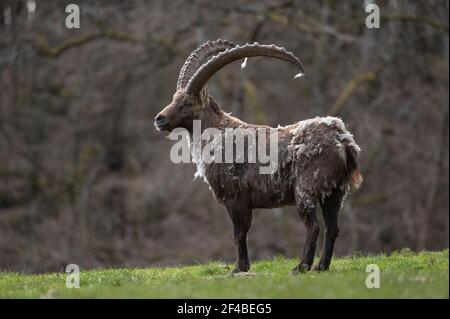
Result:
<point x="204" y="95"/>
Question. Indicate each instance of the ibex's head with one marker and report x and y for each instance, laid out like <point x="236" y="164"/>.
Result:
<point x="191" y="97"/>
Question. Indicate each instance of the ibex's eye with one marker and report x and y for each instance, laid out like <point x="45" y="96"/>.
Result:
<point x="187" y="104"/>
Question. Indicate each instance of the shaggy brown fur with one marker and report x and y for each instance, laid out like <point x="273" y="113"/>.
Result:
<point x="317" y="164"/>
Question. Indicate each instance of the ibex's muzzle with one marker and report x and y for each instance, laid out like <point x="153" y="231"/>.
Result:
<point x="161" y="122"/>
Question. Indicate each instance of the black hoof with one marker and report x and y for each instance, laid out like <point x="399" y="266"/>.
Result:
<point x="320" y="267"/>
<point x="300" y="269"/>
<point x="240" y="269"/>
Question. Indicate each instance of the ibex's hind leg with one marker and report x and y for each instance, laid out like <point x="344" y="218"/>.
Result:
<point x="242" y="221"/>
<point x="330" y="207"/>
<point x="307" y="212"/>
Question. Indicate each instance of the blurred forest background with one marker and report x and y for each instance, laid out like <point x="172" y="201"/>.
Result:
<point x="86" y="179"/>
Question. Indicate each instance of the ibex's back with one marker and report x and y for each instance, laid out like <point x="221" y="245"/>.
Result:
<point x="314" y="157"/>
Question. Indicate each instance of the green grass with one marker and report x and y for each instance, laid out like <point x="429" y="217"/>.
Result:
<point x="403" y="275"/>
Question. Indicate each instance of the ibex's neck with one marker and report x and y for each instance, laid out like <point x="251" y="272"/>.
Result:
<point x="214" y="116"/>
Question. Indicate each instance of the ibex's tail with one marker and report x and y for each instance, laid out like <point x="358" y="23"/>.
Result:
<point x="354" y="175"/>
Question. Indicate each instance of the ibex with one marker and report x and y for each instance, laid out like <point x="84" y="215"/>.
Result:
<point x="318" y="158"/>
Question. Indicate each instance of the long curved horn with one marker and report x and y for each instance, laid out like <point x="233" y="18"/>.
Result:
<point x="198" y="57"/>
<point x="207" y="70"/>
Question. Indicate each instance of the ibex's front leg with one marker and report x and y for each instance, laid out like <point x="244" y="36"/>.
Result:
<point x="242" y="220"/>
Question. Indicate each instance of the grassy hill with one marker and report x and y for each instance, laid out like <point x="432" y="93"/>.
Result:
<point x="403" y="275"/>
